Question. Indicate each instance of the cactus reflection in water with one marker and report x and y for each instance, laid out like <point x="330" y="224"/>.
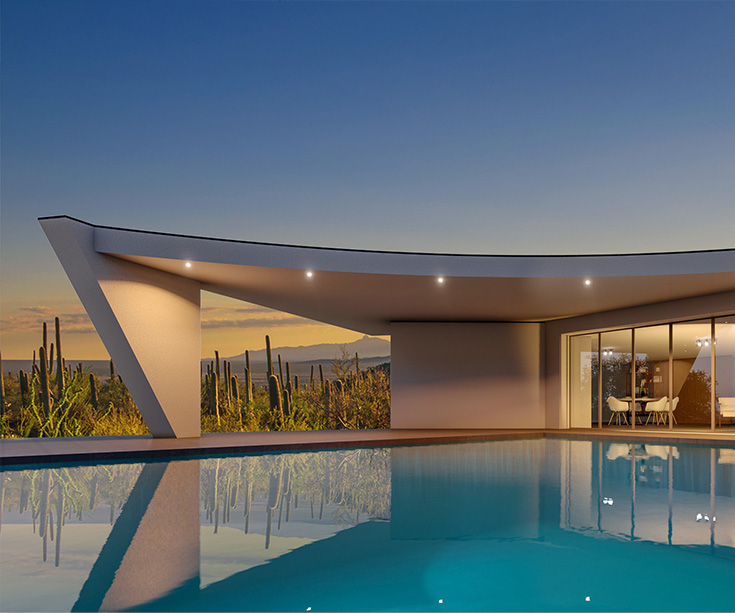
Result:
<point x="254" y="494"/>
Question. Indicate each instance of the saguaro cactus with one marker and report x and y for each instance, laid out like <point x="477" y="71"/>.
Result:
<point x="248" y="386"/>
<point x="268" y="355"/>
<point x="60" y="366"/>
<point x="25" y="388"/>
<point x="234" y="388"/>
<point x="44" y="381"/>
<point x="45" y="340"/>
<point x="276" y="400"/>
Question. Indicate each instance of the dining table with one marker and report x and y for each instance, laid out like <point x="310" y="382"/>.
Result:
<point x="644" y="400"/>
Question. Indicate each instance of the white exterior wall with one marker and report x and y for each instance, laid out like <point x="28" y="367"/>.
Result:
<point x="467" y="375"/>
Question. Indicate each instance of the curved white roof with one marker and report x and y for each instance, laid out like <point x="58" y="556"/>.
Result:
<point x="366" y="290"/>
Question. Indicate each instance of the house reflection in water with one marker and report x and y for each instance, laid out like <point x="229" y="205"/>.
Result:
<point x="153" y="548"/>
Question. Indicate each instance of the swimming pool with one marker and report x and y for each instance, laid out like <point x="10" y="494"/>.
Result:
<point x="521" y="525"/>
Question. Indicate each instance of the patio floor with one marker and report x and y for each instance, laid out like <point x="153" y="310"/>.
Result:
<point x="48" y="450"/>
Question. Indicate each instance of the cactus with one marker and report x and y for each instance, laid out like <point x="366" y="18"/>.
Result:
<point x="311" y="379"/>
<point x="286" y="403"/>
<point x="280" y="372"/>
<point x="51" y="359"/>
<point x="321" y="377"/>
<point x="216" y="361"/>
<point x="275" y="396"/>
<point x="228" y="391"/>
<point x="339" y="386"/>
<point x="248" y="386"/>
<point x="112" y="371"/>
<point x="25" y="388"/>
<point x="60" y="365"/>
<point x="45" y="340"/>
<point x="44" y="381"/>
<point x="234" y="388"/>
<point x="269" y="356"/>
<point x="214" y="396"/>
<point x="93" y="397"/>
<point x="296" y="382"/>
<point x="288" y="376"/>
<point x="357" y="363"/>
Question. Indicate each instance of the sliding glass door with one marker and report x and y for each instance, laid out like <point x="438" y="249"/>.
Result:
<point x="682" y="376"/>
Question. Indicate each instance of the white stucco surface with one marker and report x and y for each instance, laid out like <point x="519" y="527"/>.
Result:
<point x="467" y="375"/>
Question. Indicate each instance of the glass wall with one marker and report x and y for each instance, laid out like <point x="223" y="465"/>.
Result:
<point x="676" y="366"/>
<point x="652" y="374"/>
<point x="692" y="369"/>
<point x="616" y="378"/>
<point x="725" y="372"/>
<point x="583" y="371"/>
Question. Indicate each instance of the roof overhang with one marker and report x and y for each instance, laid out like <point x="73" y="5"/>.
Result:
<point x="366" y="290"/>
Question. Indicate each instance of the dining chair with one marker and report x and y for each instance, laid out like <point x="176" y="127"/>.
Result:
<point x="658" y="409"/>
<point x="618" y="408"/>
<point x="674" y="402"/>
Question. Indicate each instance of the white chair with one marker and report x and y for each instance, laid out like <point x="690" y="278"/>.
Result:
<point x="727" y="407"/>
<point x="658" y="409"/>
<point x="618" y="408"/>
<point x="674" y="402"/>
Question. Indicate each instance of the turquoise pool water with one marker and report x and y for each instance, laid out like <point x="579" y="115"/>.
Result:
<point x="525" y="525"/>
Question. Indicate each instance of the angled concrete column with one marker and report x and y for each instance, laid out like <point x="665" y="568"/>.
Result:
<point x="148" y="321"/>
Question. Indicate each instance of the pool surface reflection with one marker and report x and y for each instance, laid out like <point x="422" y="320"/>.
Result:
<point x="521" y="525"/>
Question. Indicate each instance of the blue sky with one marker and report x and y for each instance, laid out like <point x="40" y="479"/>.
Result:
<point x="475" y="127"/>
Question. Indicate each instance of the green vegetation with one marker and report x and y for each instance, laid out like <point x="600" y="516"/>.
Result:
<point x="59" y="400"/>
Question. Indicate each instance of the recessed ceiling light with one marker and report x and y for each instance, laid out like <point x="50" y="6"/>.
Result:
<point x="588" y="281"/>
<point x="440" y="279"/>
<point x="188" y="264"/>
<point x="309" y="273"/>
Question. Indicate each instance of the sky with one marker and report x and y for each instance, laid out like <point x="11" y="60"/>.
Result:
<point x="454" y="127"/>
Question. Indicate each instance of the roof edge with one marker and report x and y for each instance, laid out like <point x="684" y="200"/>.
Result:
<point x="383" y="251"/>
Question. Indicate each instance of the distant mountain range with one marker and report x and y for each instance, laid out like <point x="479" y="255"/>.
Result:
<point x="366" y="347"/>
<point x="372" y="351"/>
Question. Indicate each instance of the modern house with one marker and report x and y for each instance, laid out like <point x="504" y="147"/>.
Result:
<point x="477" y="341"/>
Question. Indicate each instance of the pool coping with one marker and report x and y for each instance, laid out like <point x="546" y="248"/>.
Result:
<point x="15" y="452"/>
